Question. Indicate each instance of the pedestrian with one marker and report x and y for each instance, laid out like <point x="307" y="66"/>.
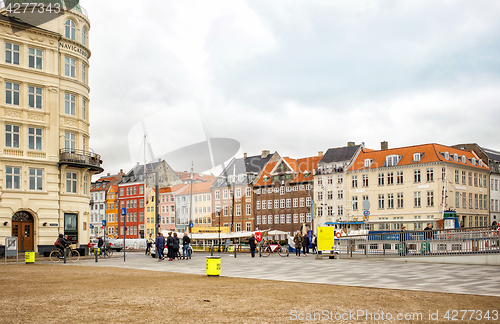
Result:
<point x="160" y="245"/>
<point x="175" y="250"/>
<point x="428" y="238"/>
<point x="149" y="242"/>
<point x="314" y="243"/>
<point x="402" y="242"/>
<point x="100" y="244"/>
<point x="185" y="247"/>
<point x="305" y="244"/>
<point x="298" y="244"/>
<point x="253" y="245"/>
<point x="170" y="247"/>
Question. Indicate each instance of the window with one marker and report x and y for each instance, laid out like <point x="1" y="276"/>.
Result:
<point x="470" y="201"/>
<point x="390" y="178"/>
<point x="36" y="179"/>
<point x="430" y="198"/>
<point x="354" y="179"/>
<point x="464" y="200"/>
<point x="35" y="58"/>
<point x="464" y="178"/>
<point x="330" y="195"/>
<point x="248" y="209"/>
<point x="480" y="201"/>
<point x="320" y="211"/>
<point x="400" y="199"/>
<point x="69" y="104"/>
<point x="12" y="177"/>
<point x="340" y="178"/>
<point x="12" y="93"/>
<point x="320" y="195"/>
<point x="34" y="138"/>
<point x="368" y="162"/>
<point x="365" y="180"/>
<point x="308" y="217"/>
<point x="301" y="202"/>
<point x="390" y="200"/>
<point x="282" y="203"/>
<point x="69" y="67"/>
<point x="457" y="176"/>
<point x="276" y="219"/>
<point x="329" y="180"/>
<point x="392" y="160"/>
<point x="276" y="204"/>
<point x="340" y="194"/>
<point x="340" y="210"/>
<point x="263" y="204"/>
<point x="381" y="179"/>
<point x="217" y="195"/>
<point x="355" y="202"/>
<point x="295" y="202"/>
<point x="295" y="218"/>
<point x="430" y="174"/>
<point x="12" y="53"/>
<point x="238" y="210"/>
<point x="69" y="29"/>
<point x="84" y="144"/>
<point x="34" y="97"/>
<point x="86" y="185"/>
<point x="476" y="203"/>
<point x="416" y="176"/>
<point x="289" y="203"/>
<point x="470" y="178"/>
<point x="11" y="135"/>
<point x="84" y="36"/>
<point x="485" y="183"/>
<point x="399" y="177"/>
<point x="381" y="202"/>
<point x="330" y="210"/>
<point x="248" y="192"/>
<point x="237" y="193"/>
<point x="416" y="157"/>
<point x="485" y="201"/>
<point x="475" y="179"/>
<point x="84" y="73"/>
<point x="302" y="218"/>
<point x="141" y="190"/>
<point x="320" y="181"/>
<point x="248" y="226"/>
<point x="224" y="194"/>
<point x="71" y="182"/>
<point x="308" y="201"/>
<point x="70" y="141"/>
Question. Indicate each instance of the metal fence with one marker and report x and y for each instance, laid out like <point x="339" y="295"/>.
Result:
<point x="461" y="241"/>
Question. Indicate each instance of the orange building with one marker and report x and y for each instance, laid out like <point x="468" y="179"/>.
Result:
<point x="112" y="212"/>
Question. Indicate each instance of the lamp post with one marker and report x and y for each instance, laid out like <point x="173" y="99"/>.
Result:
<point x="217" y="210"/>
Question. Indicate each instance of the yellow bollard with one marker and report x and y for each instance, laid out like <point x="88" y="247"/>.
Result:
<point x="213" y="266"/>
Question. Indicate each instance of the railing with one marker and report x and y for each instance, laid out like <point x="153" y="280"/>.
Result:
<point x="462" y="241"/>
<point x="68" y="155"/>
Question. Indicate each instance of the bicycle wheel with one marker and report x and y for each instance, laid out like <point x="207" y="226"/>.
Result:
<point x="265" y="251"/>
<point x="110" y="253"/>
<point x="283" y="251"/>
<point x="55" y="256"/>
<point x="74" y="256"/>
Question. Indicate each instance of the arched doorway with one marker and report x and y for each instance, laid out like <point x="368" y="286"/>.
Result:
<point x="22" y="228"/>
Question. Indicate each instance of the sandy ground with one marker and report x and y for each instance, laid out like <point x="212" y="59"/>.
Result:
<point x="45" y="293"/>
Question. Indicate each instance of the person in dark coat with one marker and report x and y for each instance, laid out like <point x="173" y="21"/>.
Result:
<point x="298" y="244"/>
<point x="175" y="250"/>
<point x="170" y="246"/>
<point x="402" y="241"/>
<point x="428" y="237"/>
<point x="185" y="247"/>
<point x="160" y="245"/>
<point x="305" y="244"/>
<point x="253" y="245"/>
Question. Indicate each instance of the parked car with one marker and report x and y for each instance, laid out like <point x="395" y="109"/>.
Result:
<point x="114" y="244"/>
<point x="92" y="245"/>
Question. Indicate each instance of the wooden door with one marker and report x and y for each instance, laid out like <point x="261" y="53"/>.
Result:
<point x="22" y="228"/>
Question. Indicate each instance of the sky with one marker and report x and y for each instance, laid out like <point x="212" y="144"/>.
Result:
<point x="295" y="77"/>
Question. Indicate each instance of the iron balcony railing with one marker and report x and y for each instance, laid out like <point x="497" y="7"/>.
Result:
<point x="79" y="157"/>
<point x="461" y="241"/>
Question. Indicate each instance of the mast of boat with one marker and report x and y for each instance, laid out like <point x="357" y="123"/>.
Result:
<point x="191" y="201"/>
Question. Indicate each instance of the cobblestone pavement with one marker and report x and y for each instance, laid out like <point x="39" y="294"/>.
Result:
<point x="447" y="278"/>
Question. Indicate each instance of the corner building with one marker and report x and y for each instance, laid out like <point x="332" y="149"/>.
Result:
<point x="46" y="163"/>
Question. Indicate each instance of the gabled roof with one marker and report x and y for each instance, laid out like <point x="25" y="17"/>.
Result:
<point x="340" y="154"/>
<point x="492" y="154"/>
<point x="302" y="170"/>
<point x="428" y="153"/>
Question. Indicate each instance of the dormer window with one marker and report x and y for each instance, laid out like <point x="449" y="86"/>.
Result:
<point x="241" y="177"/>
<point x="417" y="157"/>
<point x="462" y="158"/>
<point x="473" y="161"/>
<point x="446" y="155"/>
<point x="455" y="157"/>
<point x="480" y="162"/>
<point x="368" y="162"/>
<point x="392" y="160"/>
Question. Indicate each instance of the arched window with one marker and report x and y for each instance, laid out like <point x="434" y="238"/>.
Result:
<point x="84" y="35"/>
<point x="69" y="29"/>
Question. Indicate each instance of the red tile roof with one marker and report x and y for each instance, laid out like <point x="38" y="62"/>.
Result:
<point x="429" y="153"/>
<point x="299" y="166"/>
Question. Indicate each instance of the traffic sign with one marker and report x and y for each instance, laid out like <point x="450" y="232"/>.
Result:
<point x="366" y="204"/>
<point x="124" y="211"/>
<point x="126" y="228"/>
<point x="103" y="222"/>
<point x="366" y="213"/>
<point x="191" y="225"/>
<point x="91" y="226"/>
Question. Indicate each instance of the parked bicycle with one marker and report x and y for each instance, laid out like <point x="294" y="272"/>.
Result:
<point x="106" y="253"/>
<point x="269" y="248"/>
<point x="57" y="255"/>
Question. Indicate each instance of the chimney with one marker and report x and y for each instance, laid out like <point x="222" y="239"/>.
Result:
<point x="320" y="153"/>
<point x="244" y="155"/>
<point x="265" y="153"/>
<point x="384" y="145"/>
<point x="109" y="174"/>
<point x="349" y="144"/>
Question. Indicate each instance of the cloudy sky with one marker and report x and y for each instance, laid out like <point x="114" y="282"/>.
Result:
<point x="295" y="77"/>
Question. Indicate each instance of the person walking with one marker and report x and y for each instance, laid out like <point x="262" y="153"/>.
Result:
<point x="253" y="244"/>
<point x="305" y="244"/>
<point x="428" y="238"/>
<point x="170" y="246"/>
<point x="298" y="245"/>
<point x="149" y="242"/>
<point x="402" y="242"/>
<point x="185" y="247"/>
<point x="175" y="250"/>
<point x="160" y="245"/>
<point x="314" y="243"/>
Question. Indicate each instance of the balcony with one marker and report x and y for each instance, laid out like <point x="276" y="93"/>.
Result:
<point x="80" y="159"/>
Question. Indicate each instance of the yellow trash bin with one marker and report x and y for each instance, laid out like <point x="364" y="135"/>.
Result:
<point x="29" y="257"/>
<point x="230" y="248"/>
<point x="213" y="266"/>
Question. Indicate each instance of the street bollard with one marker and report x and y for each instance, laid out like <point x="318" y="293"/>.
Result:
<point x="64" y="255"/>
<point x="235" y="248"/>
<point x="211" y="251"/>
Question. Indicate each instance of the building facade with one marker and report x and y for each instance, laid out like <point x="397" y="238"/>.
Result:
<point x="45" y="161"/>
<point x="417" y="183"/>
<point x="112" y="212"/>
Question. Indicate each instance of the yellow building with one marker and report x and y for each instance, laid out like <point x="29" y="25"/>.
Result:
<point x="415" y="185"/>
<point x="112" y="212"/>
<point x="149" y="222"/>
<point x="45" y="163"/>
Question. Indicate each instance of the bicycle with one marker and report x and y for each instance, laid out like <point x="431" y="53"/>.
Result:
<point x="106" y="253"/>
<point x="269" y="248"/>
<point x="56" y="255"/>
